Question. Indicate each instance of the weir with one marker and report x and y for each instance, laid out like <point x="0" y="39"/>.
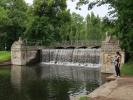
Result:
<point x="23" y="54"/>
<point x="71" y="56"/>
<point x="75" y="64"/>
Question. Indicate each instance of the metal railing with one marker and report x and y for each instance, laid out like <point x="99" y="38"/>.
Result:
<point x="62" y="43"/>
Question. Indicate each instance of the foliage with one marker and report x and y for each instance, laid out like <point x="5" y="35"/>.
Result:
<point x="5" y="56"/>
<point x="50" y="21"/>
<point x="46" y="19"/>
<point x="74" y="29"/>
<point x="127" y="69"/>
<point x="94" y="27"/>
<point x="91" y="28"/>
<point x="122" y="12"/>
<point x="12" y="20"/>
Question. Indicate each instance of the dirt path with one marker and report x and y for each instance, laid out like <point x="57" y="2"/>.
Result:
<point x="120" y="89"/>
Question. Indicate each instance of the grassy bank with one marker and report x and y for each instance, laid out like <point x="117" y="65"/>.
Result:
<point x="5" y="56"/>
<point x="127" y="69"/>
<point x="84" y="98"/>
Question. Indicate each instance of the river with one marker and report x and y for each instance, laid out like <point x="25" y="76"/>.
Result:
<point x="47" y="82"/>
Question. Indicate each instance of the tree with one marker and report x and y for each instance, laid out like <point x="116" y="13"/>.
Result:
<point x="91" y="28"/>
<point x="94" y="27"/>
<point x="74" y="29"/>
<point x="14" y="25"/>
<point x="122" y="12"/>
<point x="3" y="22"/>
<point x="47" y="18"/>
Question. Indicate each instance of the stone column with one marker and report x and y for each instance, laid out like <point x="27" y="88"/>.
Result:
<point x="18" y="53"/>
<point x="22" y="54"/>
<point x="108" y="52"/>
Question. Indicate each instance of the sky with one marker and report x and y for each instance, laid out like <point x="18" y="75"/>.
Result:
<point x="101" y="11"/>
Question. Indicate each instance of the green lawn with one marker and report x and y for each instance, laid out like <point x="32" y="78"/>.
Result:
<point x="127" y="69"/>
<point x="5" y="56"/>
<point x="84" y="98"/>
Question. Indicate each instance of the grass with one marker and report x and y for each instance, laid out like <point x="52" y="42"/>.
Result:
<point x="127" y="69"/>
<point x="84" y="98"/>
<point x="5" y="56"/>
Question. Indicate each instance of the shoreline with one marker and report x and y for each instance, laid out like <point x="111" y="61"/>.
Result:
<point x="117" y="89"/>
<point x="5" y="63"/>
<point x="104" y="77"/>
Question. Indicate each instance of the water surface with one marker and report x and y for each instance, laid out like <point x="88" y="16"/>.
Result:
<point x="47" y="82"/>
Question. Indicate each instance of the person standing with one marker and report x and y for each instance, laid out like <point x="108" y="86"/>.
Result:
<point x="117" y="63"/>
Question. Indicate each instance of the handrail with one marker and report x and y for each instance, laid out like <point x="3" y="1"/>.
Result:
<point x="63" y="43"/>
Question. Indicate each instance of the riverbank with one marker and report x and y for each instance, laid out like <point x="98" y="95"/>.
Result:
<point x="5" y="63"/>
<point x="115" y="88"/>
<point x="5" y="58"/>
<point x="119" y="89"/>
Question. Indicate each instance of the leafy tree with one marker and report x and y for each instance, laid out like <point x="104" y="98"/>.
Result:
<point x="94" y="27"/>
<point x="46" y="19"/>
<point x="74" y="29"/>
<point x="122" y="12"/>
<point x="77" y="27"/>
<point x="91" y="28"/>
<point x="3" y="21"/>
<point x="12" y="20"/>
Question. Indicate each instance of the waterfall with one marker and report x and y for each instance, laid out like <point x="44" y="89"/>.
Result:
<point x="71" y="56"/>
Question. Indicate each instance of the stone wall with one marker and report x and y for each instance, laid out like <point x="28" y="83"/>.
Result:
<point x="22" y="55"/>
<point x="108" y="52"/>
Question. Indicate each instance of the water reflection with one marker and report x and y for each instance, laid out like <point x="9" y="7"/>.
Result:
<point x="73" y="73"/>
<point x="45" y="82"/>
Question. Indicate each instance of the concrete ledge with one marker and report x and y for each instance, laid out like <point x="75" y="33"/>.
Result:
<point x="103" y="90"/>
<point x="111" y="78"/>
<point x="120" y="89"/>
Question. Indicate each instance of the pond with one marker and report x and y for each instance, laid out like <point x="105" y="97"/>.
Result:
<point x="47" y="82"/>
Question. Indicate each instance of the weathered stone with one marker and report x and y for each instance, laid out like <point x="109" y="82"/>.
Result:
<point x="21" y="54"/>
<point x="108" y="51"/>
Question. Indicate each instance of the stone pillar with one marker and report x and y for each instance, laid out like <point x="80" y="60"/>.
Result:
<point x="108" y="52"/>
<point x="22" y="55"/>
<point x="17" y="55"/>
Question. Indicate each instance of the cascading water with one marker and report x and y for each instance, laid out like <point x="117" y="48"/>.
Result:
<point x="71" y="56"/>
<point x="75" y="64"/>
